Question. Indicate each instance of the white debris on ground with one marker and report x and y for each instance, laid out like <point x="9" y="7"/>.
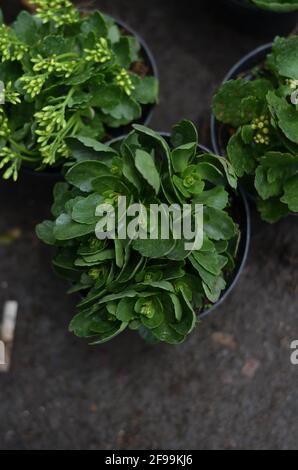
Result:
<point x="7" y="333"/>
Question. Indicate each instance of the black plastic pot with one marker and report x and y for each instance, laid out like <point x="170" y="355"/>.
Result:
<point x="246" y="16"/>
<point x="241" y="213"/>
<point x="219" y="132"/>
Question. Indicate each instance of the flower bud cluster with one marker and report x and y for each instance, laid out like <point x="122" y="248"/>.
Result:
<point x="33" y="84"/>
<point x="50" y="121"/>
<point x="10" y="157"/>
<point x="101" y="53"/>
<point x="124" y="80"/>
<point x="261" y="126"/>
<point x="61" y="12"/>
<point x="4" y="127"/>
<point x="54" y="65"/>
<point x="11" y="48"/>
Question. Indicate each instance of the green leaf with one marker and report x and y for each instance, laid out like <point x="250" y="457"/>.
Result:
<point x="145" y="333"/>
<point x="279" y="166"/>
<point x="218" y="225"/>
<point x="101" y="150"/>
<point x="166" y="333"/>
<point x="96" y="258"/>
<point x="62" y="195"/>
<point x="119" y="295"/>
<point x="278" y="6"/>
<point x="286" y="115"/>
<point x="45" y="232"/>
<point x="177" y="307"/>
<point x="265" y="188"/>
<point x="96" y="24"/>
<point x="221" y="163"/>
<point x="182" y="155"/>
<point x="129" y="169"/>
<point x="155" y="139"/>
<point x="238" y="102"/>
<point x="84" y="210"/>
<point x="241" y="156"/>
<point x="56" y="45"/>
<point x="216" y="197"/>
<point x="188" y="320"/>
<point x="113" y="33"/>
<point x="247" y="134"/>
<point x="106" y="96"/>
<point x="183" y="133"/>
<point x="209" y="172"/>
<point x="163" y="285"/>
<point x="146" y="90"/>
<point x="125" y="310"/>
<point x="103" y="338"/>
<point x="78" y="99"/>
<point x="154" y="315"/>
<point x="119" y="253"/>
<point x="125" y="111"/>
<point x="65" y="259"/>
<point x="109" y="183"/>
<point x="178" y="253"/>
<point x="82" y="174"/>
<point x="123" y="52"/>
<point x="154" y="248"/>
<point x="272" y="210"/>
<point x="66" y="229"/>
<point x="291" y="194"/>
<point x="80" y="152"/>
<point x="26" y="29"/>
<point x="284" y="55"/>
<point x="145" y="165"/>
<point x="97" y="326"/>
<point x="212" y="261"/>
<point x="213" y="285"/>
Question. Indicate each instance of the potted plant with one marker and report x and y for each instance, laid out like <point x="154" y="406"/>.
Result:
<point x="256" y="124"/>
<point x="67" y="73"/>
<point x="156" y="284"/>
<point x="262" y="16"/>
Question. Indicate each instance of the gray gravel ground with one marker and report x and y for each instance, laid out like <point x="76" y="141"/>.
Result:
<point x="231" y="385"/>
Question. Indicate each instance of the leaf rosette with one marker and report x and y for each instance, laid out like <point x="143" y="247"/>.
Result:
<point x="260" y="113"/>
<point x="156" y="286"/>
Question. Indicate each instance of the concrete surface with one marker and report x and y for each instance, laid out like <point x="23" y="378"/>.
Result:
<point x="231" y="385"/>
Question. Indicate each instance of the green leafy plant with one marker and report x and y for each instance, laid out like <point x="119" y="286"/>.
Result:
<point x="154" y="286"/>
<point x="260" y="111"/>
<point x="278" y="6"/>
<point x="66" y="74"/>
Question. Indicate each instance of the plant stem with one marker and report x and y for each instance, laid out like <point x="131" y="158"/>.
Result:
<point x="23" y="150"/>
